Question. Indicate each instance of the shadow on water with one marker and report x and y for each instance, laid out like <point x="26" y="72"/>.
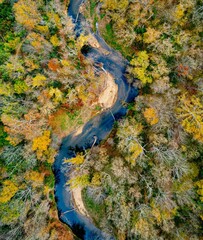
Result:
<point x="79" y="229"/>
<point x="100" y="126"/>
<point x="85" y="49"/>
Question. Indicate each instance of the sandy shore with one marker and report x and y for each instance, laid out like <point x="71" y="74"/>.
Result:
<point x="77" y="199"/>
<point x="93" y="41"/>
<point x="108" y="97"/>
<point x="78" y="131"/>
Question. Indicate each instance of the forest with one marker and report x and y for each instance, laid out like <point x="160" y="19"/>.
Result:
<point x="145" y="180"/>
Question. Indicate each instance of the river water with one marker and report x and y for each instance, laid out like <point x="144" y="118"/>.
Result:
<point x="99" y="126"/>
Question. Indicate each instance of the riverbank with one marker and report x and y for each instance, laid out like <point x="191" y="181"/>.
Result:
<point x="78" y="201"/>
<point x="106" y="100"/>
<point x="107" y="96"/>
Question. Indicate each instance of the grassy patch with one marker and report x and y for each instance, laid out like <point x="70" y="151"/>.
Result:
<point x="94" y="23"/>
<point x="109" y="36"/>
<point x="49" y="180"/>
<point x="98" y="108"/>
<point x="3" y="135"/>
<point x="96" y="211"/>
<point x="92" y="7"/>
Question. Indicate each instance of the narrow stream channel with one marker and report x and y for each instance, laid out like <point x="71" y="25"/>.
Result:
<point x="99" y="126"/>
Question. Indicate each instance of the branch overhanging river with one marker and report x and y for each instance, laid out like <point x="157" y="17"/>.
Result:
<point x="95" y="130"/>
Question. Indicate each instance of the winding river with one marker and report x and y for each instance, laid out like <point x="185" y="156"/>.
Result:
<point x="99" y="126"/>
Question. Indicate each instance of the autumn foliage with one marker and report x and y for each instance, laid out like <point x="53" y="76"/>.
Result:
<point x="151" y="116"/>
<point x="40" y="144"/>
<point x="27" y="13"/>
<point x="8" y="191"/>
<point x="53" y="64"/>
<point x="190" y="113"/>
<point x="144" y="181"/>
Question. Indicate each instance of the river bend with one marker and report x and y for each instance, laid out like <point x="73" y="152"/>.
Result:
<point x="99" y="126"/>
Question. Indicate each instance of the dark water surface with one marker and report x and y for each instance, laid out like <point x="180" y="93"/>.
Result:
<point x="99" y="126"/>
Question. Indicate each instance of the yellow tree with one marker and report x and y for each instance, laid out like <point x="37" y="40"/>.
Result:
<point x="96" y="180"/>
<point x="135" y="149"/>
<point x="55" y="19"/>
<point x="199" y="184"/>
<point x="20" y="87"/>
<point x="109" y="4"/>
<point x="26" y="13"/>
<point x="128" y="133"/>
<point x="43" y="29"/>
<point x="119" y="5"/>
<point x="139" y="67"/>
<point x="39" y="80"/>
<point x="35" y="177"/>
<point x="151" y="116"/>
<point x="39" y="43"/>
<point x="6" y="89"/>
<point x="81" y="41"/>
<point x="12" y="44"/>
<point x="190" y="113"/>
<point x="55" y="41"/>
<point x="12" y="67"/>
<point x="179" y="12"/>
<point x="30" y="64"/>
<point x="8" y="191"/>
<point x="79" y="181"/>
<point x="151" y="35"/>
<point x="79" y="159"/>
<point x="143" y="227"/>
<point x="56" y="94"/>
<point x="41" y="143"/>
